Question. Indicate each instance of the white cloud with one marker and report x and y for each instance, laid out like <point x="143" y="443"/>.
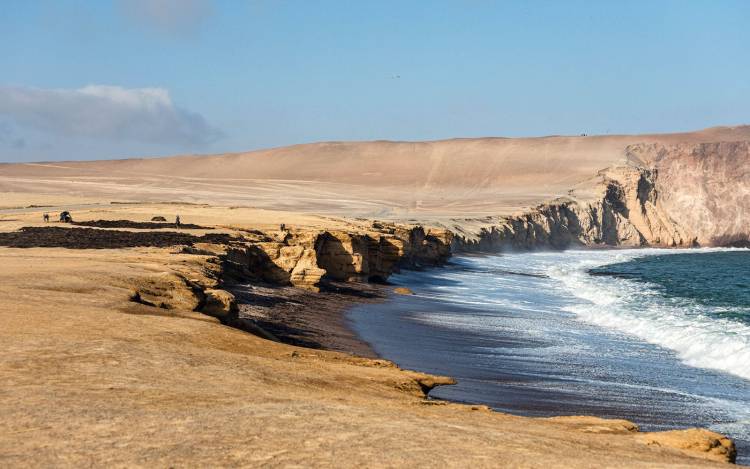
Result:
<point x="169" y="16"/>
<point x="145" y="115"/>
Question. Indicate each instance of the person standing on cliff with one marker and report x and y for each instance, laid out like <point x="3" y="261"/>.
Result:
<point x="177" y="221"/>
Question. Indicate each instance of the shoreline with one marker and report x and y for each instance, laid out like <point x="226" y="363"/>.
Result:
<point x="538" y="388"/>
<point x="314" y="320"/>
<point x="165" y="354"/>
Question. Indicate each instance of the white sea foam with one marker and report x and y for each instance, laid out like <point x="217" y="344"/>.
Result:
<point x="589" y="337"/>
<point x="693" y="332"/>
<point x="635" y="308"/>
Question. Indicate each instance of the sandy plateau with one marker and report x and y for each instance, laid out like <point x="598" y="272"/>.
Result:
<point x="124" y="346"/>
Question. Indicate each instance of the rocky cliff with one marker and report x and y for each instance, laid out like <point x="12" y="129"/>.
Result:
<point x="705" y="188"/>
<point x="666" y="195"/>
<point x="305" y="258"/>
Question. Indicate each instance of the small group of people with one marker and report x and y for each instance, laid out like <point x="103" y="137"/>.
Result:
<point x="65" y="217"/>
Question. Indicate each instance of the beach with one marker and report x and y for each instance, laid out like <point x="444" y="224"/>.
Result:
<point x="92" y="376"/>
<point x="519" y="340"/>
<point x="384" y="234"/>
<point x="225" y="340"/>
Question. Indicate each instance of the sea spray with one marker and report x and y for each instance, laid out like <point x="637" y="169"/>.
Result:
<point x="699" y="336"/>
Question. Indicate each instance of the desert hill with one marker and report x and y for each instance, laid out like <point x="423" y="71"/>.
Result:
<point x="117" y="349"/>
<point x="432" y="182"/>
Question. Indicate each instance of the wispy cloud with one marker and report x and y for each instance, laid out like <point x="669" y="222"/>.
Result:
<point x="145" y="115"/>
<point x="169" y="16"/>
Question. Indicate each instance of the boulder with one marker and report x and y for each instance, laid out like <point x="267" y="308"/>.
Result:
<point x="220" y="304"/>
<point x="306" y="273"/>
<point x="167" y="291"/>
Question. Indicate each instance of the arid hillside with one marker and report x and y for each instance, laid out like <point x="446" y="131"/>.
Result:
<point x="456" y="183"/>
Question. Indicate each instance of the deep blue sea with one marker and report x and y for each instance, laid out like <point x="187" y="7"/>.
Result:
<point x="718" y="282"/>
<point x="659" y="337"/>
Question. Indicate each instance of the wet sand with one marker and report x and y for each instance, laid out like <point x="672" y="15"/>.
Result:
<point x="521" y="353"/>
<point x="309" y="319"/>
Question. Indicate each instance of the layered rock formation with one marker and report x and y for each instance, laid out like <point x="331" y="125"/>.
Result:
<point x="300" y="258"/>
<point x="705" y="188"/>
<point x="304" y="258"/>
<point x="195" y="286"/>
<point x="666" y="195"/>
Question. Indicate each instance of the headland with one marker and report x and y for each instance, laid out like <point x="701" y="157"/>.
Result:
<point x="221" y="342"/>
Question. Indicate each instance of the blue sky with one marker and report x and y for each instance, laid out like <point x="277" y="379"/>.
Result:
<point x="96" y="80"/>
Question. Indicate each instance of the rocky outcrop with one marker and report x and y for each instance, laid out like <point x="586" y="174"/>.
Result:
<point x="695" y="442"/>
<point x="353" y="256"/>
<point x="423" y="248"/>
<point x="303" y="259"/>
<point x="677" y="195"/>
<point x="276" y="262"/>
<point x="188" y="288"/>
<point x="374" y="256"/>
<point x="220" y="304"/>
<point x="167" y="290"/>
<point x="704" y="187"/>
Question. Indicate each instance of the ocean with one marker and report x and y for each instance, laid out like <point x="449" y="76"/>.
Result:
<point x="658" y="337"/>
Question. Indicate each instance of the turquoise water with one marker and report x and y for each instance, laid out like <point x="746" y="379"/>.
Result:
<point x="659" y="337"/>
<point x="719" y="281"/>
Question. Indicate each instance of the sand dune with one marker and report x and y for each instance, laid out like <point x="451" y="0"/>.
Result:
<point x="422" y="180"/>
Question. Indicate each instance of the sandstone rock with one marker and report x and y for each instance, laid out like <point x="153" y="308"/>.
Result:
<point x="695" y="441"/>
<point x="276" y="263"/>
<point x="403" y="291"/>
<point x="374" y="256"/>
<point x="167" y="291"/>
<point x="306" y="273"/>
<point x="667" y="195"/>
<point x="288" y="257"/>
<point x="220" y="304"/>
<point x="587" y="424"/>
<point x="344" y="256"/>
<point x="302" y="259"/>
<point x="704" y="187"/>
<point x="420" y="384"/>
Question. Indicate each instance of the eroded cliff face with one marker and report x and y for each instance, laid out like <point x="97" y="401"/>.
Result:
<point x="705" y="188"/>
<point x="304" y="259"/>
<point x="678" y="195"/>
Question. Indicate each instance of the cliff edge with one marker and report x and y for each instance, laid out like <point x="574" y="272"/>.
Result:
<point x="681" y="189"/>
<point x="667" y="195"/>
